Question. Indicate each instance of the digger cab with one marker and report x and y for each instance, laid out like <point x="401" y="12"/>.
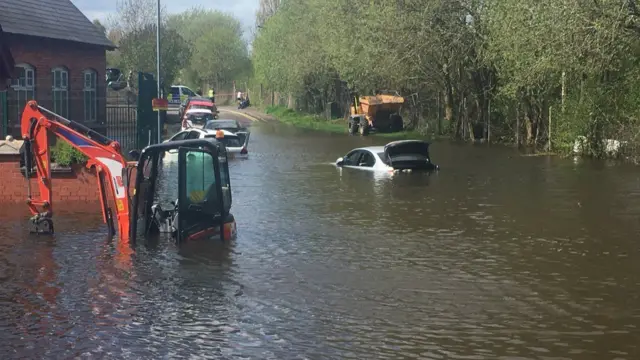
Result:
<point x="197" y="206"/>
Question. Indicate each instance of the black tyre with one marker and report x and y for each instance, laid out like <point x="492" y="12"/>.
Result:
<point x="364" y="128"/>
<point x="353" y="127"/>
<point x="396" y="122"/>
<point x="44" y="226"/>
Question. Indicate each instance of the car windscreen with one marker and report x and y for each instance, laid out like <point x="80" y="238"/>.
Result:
<point x="228" y="141"/>
<point x="200" y="118"/>
<point x="214" y="125"/>
<point x="200" y="106"/>
<point x="242" y="137"/>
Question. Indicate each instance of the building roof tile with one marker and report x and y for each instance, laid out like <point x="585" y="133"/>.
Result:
<point x="53" y="19"/>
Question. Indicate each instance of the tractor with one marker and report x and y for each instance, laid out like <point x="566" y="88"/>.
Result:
<point x="380" y="112"/>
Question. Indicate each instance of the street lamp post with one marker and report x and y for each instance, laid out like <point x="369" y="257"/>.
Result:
<point x="158" y="69"/>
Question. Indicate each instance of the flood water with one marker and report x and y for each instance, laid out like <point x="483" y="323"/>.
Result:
<point x="497" y="256"/>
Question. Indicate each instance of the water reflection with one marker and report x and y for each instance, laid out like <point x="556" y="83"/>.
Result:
<point x="496" y="256"/>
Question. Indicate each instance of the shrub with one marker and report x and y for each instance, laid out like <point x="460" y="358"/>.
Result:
<point x="64" y="154"/>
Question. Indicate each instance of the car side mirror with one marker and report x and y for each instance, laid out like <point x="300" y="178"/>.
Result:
<point x="340" y="162"/>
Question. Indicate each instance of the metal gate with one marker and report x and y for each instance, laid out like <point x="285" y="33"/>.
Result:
<point x="4" y="115"/>
<point x="130" y="117"/>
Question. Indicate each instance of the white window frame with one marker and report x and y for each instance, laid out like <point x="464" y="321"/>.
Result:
<point x="90" y="94"/>
<point x="60" y="91"/>
<point x="24" y="88"/>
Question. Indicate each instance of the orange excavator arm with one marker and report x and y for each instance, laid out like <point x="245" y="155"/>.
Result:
<point x="103" y="153"/>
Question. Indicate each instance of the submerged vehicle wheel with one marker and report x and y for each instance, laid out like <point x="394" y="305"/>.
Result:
<point x="353" y="128"/>
<point x="42" y="226"/>
<point x="396" y="123"/>
<point x="364" y="129"/>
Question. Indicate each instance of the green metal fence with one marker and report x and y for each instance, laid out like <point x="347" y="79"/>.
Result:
<point x="122" y="125"/>
<point x="4" y="114"/>
<point x="133" y="124"/>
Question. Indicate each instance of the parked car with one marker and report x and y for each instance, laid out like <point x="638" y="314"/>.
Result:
<point x="178" y="94"/>
<point x="196" y="118"/>
<point x="404" y="155"/>
<point x="237" y="146"/>
<point x="228" y="125"/>
<point x="196" y="103"/>
<point x="224" y="124"/>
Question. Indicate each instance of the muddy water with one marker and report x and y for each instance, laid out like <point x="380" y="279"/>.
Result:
<point x="494" y="257"/>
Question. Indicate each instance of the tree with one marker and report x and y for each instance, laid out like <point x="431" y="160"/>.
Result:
<point x="474" y="62"/>
<point x="134" y="15"/>
<point x="267" y="9"/>
<point x="133" y="30"/>
<point x="100" y="27"/>
<point x="138" y="52"/>
<point x="219" y="53"/>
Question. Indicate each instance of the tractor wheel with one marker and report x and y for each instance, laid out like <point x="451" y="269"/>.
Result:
<point x="396" y="122"/>
<point x="353" y="127"/>
<point x="364" y="128"/>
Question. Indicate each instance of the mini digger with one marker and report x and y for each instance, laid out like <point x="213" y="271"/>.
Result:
<point x="127" y="189"/>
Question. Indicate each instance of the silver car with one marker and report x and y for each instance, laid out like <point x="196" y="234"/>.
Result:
<point x="403" y="155"/>
<point x="236" y="144"/>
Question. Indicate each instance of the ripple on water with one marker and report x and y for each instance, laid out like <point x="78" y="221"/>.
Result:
<point x="492" y="258"/>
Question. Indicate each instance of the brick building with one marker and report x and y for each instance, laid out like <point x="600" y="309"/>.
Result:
<point x="60" y="61"/>
<point x="6" y="59"/>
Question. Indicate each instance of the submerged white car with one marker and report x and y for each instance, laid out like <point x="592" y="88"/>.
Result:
<point x="236" y="144"/>
<point x="396" y="156"/>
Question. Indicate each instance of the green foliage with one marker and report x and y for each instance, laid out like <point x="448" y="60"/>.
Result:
<point x="218" y="51"/>
<point x="306" y="121"/>
<point x="64" y="154"/>
<point x="100" y="27"/>
<point x="470" y="63"/>
<point x="288" y="54"/>
<point x="315" y="122"/>
<point x="196" y="46"/>
<point x="138" y="51"/>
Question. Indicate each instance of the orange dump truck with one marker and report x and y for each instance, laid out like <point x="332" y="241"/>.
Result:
<point x="380" y="112"/>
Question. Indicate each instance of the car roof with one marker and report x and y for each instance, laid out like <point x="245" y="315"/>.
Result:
<point x="223" y="120"/>
<point x="225" y="132"/>
<point x="379" y="149"/>
<point x="197" y="99"/>
<point x="373" y="149"/>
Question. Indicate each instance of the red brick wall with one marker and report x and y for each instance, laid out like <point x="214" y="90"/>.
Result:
<point x="46" y="54"/>
<point x="78" y="187"/>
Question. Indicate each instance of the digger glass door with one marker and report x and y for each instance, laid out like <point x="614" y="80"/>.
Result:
<point x="200" y="199"/>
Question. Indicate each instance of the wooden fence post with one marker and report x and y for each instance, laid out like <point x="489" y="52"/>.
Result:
<point x="518" y="127"/>
<point x="550" y="107"/>
<point x="489" y="123"/>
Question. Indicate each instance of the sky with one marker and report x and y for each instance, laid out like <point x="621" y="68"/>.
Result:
<point x="244" y="10"/>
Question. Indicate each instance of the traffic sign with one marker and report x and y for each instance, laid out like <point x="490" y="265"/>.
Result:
<point x="160" y="104"/>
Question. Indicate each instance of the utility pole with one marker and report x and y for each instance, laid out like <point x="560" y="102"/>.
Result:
<point x="158" y="69"/>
